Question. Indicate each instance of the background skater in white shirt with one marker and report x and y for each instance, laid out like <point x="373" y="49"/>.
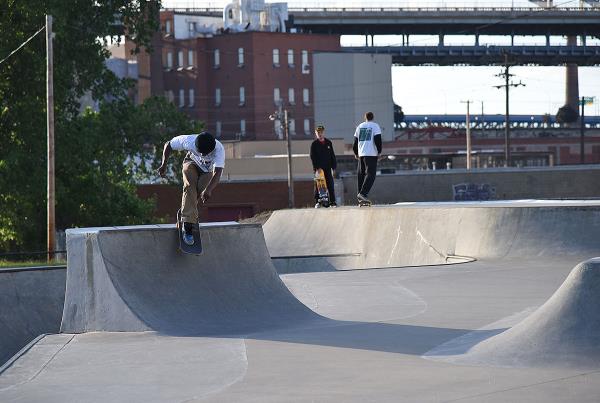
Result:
<point x="204" y="155"/>
<point x="367" y="148"/>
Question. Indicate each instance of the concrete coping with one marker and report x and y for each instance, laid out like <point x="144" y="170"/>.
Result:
<point x="502" y="203"/>
<point x="126" y="228"/>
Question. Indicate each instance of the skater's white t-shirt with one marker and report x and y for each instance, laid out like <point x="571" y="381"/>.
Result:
<point x="365" y="133"/>
<point x="208" y="162"/>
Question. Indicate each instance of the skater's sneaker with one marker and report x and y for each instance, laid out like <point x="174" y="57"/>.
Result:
<point x="318" y="205"/>
<point x="362" y="198"/>
<point x="188" y="236"/>
<point x="334" y="204"/>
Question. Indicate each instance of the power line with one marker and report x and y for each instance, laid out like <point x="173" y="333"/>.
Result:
<point x="23" y="44"/>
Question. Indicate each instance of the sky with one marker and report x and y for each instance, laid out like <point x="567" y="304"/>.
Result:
<point x="440" y="90"/>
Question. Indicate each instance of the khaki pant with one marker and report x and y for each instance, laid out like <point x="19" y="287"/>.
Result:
<point x="194" y="181"/>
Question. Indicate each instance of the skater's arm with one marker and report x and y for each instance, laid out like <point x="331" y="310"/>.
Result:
<point x="377" y="140"/>
<point x="165" y="157"/>
<point x="214" y="181"/>
<point x="313" y="156"/>
<point x="355" y="147"/>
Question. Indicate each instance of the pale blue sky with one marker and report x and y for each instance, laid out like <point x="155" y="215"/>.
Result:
<point x="438" y="90"/>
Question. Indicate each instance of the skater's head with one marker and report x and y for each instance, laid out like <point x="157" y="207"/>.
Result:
<point x="369" y="116"/>
<point x="320" y="132"/>
<point x="205" y="143"/>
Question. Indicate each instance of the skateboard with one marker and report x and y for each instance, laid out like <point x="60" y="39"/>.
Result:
<point x="322" y="190"/>
<point x="196" y="248"/>
<point x="364" y="203"/>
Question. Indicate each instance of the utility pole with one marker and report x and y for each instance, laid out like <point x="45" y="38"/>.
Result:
<point x="282" y="116"/>
<point x="50" y="129"/>
<point x="482" y="121"/>
<point x="468" y="102"/>
<point x="582" y="102"/>
<point x="506" y="75"/>
<point x="582" y="129"/>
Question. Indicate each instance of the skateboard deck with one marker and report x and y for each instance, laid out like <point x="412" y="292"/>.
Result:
<point x="322" y="190"/>
<point x="196" y="248"/>
<point x="364" y="203"/>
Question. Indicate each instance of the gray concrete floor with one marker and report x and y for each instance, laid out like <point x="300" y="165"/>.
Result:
<point x="381" y="323"/>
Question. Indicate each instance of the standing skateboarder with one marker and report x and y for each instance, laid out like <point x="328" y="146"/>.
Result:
<point x="204" y="155"/>
<point x="323" y="157"/>
<point x="367" y="147"/>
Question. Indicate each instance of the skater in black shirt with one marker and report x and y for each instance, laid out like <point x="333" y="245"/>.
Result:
<point x="323" y="156"/>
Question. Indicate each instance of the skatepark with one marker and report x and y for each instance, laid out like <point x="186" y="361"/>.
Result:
<point x="427" y="302"/>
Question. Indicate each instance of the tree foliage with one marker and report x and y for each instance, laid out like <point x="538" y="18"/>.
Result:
<point x="566" y="114"/>
<point x="101" y="154"/>
<point x="95" y="151"/>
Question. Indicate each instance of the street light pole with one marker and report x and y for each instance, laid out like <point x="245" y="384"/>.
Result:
<point x="289" y="158"/>
<point x="282" y="116"/>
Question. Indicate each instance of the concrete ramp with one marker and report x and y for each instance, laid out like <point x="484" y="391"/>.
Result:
<point x="565" y="331"/>
<point x="31" y="302"/>
<point x="136" y="279"/>
<point x="416" y="235"/>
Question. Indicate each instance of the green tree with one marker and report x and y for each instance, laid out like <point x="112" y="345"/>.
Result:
<point x="100" y="155"/>
<point x="93" y="186"/>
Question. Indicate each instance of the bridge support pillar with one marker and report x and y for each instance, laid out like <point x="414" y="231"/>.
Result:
<point x="572" y="80"/>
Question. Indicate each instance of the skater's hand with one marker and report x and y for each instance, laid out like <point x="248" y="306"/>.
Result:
<point x="205" y="195"/>
<point x="162" y="170"/>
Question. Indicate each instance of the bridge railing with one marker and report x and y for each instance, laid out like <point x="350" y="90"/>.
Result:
<point x="435" y="9"/>
<point x="291" y="10"/>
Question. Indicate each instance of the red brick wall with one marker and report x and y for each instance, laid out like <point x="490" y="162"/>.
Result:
<point x="232" y="199"/>
<point x="258" y="76"/>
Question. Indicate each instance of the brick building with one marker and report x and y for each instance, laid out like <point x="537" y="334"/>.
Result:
<point x="233" y="81"/>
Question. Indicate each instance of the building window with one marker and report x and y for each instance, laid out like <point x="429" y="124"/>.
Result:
<point x="181" y="98"/>
<point x="191" y="98"/>
<point x="242" y="96"/>
<point x="243" y="127"/>
<point x="217" y="56"/>
<point x="218" y="128"/>
<point x="291" y="96"/>
<point x="217" y="97"/>
<point x="292" y="126"/>
<point x="169" y="95"/>
<point x="169" y="60"/>
<point x="168" y="27"/>
<point x="276" y="96"/>
<point x="291" y="57"/>
<point x="276" y="57"/>
<point x="305" y="65"/>
<point x="180" y="60"/>
<point x="306" y="96"/>
<point x="191" y="62"/>
<point x="307" y="127"/>
<point x="240" y="57"/>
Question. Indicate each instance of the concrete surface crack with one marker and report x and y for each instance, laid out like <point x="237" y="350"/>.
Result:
<point x="398" y="233"/>
<point x="523" y="386"/>
<point x="426" y="242"/>
<point x="43" y="366"/>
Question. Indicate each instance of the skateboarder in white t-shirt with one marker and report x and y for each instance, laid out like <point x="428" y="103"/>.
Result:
<point x="204" y="155"/>
<point x="367" y="147"/>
